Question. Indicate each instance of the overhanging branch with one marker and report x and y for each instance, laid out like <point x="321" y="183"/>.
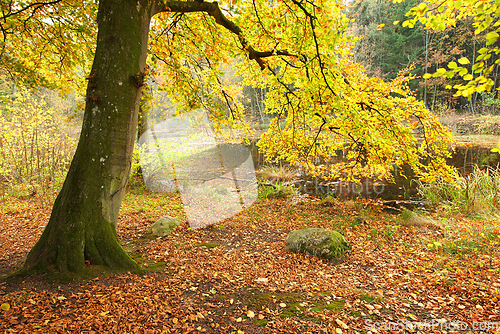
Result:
<point x="213" y="9"/>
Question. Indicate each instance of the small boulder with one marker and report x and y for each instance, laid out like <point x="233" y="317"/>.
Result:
<point x="165" y="225"/>
<point x="320" y="242"/>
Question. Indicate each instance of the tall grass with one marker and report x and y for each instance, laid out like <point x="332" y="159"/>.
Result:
<point x="478" y="192"/>
<point x="276" y="173"/>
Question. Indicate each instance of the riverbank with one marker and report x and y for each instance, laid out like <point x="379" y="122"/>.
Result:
<point x="482" y="130"/>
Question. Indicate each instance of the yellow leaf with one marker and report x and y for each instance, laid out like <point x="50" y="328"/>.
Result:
<point x="250" y="314"/>
<point x="464" y="61"/>
<point x="380" y="26"/>
<point x="395" y="23"/>
<point x="5" y="307"/>
<point x="103" y="313"/>
<point x="282" y="304"/>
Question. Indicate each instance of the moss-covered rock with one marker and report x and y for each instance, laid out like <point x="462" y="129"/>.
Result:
<point x="165" y="226"/>
<point x="320" y="242"/>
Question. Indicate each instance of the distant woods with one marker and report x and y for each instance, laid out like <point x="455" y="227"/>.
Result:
<point x="385" y="49"/>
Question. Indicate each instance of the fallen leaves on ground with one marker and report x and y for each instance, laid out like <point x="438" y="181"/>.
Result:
<point x="236" y="277"/>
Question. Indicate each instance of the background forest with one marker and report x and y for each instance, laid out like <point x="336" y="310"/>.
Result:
<point x="45" y="123"/>
<point x="385" y="49"/>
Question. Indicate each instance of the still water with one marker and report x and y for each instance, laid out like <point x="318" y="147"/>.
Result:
<point x="464" y="159"/>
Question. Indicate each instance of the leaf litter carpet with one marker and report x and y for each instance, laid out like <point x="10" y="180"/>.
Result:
<point x="236" y="277"/>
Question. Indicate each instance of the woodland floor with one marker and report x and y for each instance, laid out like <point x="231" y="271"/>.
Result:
<point x="236" y="277"/>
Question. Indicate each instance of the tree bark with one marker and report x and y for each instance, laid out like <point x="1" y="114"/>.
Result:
<point x="82" y="226"/>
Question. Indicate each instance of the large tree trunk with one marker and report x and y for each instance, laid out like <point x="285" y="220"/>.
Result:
<point x="82" y="226"/>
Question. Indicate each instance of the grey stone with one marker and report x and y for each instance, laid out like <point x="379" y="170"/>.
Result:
<point x="320" y="242"/>
<point x="165" y="226"/>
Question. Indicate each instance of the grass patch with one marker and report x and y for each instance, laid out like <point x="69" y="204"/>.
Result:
<point x="294" y="303"/>
<point x="410" y="218"/>
<point x="369" y="298"/>
<point x="207" y="245"/>
<point x="260" y="322"/>
<point x="469" y="239"/>
<point x="278" y="190"/>
<point x="355" y="313"/>
<point x="478" y="192"/>
<point x="147" y="265"/>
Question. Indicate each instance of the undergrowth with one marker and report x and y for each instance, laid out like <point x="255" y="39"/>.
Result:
<point x="477" y="193"/>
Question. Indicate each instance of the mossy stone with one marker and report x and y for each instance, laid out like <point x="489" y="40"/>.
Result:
<point x="165" y="226"/>
<point x="319" y="242"/>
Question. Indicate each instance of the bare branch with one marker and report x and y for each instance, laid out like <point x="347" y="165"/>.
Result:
<point x="35" y="5"/>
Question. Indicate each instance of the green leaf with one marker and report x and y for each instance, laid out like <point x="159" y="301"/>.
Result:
<point x="452" y="65"/>
<point x="464" y="61"/>
<point x="483" y="50"/>
<point x="478" y="67"/>
<point x="491" y="37"/>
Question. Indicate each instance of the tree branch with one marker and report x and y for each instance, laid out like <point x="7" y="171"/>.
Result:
<point x="213" y="10"/>
<point x="37" y="6"/>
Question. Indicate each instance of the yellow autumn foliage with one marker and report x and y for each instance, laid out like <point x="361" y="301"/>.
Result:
<point x="36" y="145"/>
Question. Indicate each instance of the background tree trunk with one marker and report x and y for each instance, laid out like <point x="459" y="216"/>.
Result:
<point x="82" y="226"/>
